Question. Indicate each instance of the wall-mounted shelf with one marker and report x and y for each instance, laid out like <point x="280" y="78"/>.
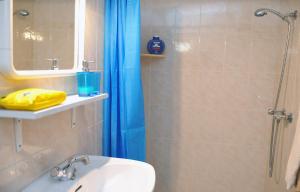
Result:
<point x="71" y="102"/>
<point x="153" y="56"/>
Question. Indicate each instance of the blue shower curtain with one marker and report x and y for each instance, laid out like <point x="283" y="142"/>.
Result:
<point x="124" y="123"/>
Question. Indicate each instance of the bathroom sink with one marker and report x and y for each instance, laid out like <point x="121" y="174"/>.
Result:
<point x="103" y="174"/>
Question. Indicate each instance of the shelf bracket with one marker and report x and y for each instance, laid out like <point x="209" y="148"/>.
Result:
<point x="73" y="118"/>
<point x="18" y="134"/>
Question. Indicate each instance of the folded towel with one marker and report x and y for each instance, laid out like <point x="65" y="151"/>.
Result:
<point x="294" y="159"/>
<point x="32" y="99"/>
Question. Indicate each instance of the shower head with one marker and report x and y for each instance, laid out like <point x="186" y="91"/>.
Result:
<point x="23" y="13"/>
<point x="260" y="13"/>
<point x="264" y="11"/>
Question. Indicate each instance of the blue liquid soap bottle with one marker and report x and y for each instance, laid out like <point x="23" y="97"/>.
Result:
<point x="88" y="82"/>
<point x="156" y="46"/>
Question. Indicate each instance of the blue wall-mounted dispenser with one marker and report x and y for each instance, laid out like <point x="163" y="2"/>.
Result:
<point x="88" y="82"/>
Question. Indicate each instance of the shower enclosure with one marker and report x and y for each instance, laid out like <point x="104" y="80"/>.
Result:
<point x="207" y="100"/>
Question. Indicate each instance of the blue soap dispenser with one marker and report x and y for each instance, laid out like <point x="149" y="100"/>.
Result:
<point x="156" y="45"/>
<point x="88" y="82"/>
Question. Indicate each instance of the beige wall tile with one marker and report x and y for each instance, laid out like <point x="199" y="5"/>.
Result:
<point x="6" y="143"/>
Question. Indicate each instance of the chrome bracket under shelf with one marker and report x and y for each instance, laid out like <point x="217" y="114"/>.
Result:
<point x="73" y="118"/>
<point x="18" y="134"/>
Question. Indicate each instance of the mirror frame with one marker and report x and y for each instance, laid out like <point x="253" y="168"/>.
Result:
<point x="7" y="67"/>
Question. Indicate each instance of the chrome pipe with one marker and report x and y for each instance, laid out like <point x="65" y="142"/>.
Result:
<point x="273" y="144"/>
<point x="271" y="149"/>
<point x="283" y="67"/>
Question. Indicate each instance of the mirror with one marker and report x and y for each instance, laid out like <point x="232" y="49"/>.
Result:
<point x="43" y="34"/>
<point x="46" y="37"/>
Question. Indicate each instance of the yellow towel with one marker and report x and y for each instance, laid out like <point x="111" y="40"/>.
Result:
<point x="32" y="99"/>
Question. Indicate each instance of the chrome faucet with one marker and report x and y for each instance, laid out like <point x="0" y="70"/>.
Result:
<point x="67" y="172"/>
<point x="54" y="63"/>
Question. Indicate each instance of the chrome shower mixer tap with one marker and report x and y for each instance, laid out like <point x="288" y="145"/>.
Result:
<point x="281" y="115"/>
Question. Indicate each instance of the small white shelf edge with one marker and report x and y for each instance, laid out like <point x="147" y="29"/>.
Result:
<point x="71" y="102"/>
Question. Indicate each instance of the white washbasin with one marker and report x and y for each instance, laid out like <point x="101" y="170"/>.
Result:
<point x="103" y="174"/>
